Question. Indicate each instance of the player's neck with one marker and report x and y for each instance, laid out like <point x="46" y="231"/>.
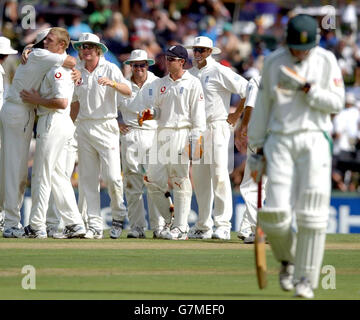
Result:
<point x="177" y="75"/>
<point x="90" y="65"/>
<point x="139" y="81"/>
<point x="201" y="64"/>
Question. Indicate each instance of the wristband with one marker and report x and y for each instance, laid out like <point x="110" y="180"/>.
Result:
<point x="114" y="84"/>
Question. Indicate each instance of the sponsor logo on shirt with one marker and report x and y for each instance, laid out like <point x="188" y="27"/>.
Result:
<point x="162" y="90"/>
<point x="201" y="96"/>
<point x="58" y="75"/>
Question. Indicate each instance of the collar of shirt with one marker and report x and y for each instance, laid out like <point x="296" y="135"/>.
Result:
<point x="2" y="71"/>
<point x="209" y="62"/>
<point x="185" y="76"/>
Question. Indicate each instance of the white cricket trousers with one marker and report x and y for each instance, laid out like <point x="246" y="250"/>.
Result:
<point x="17" y="122"/>
<point x="99" y="152"/>
<point x="135" y="146"/>
<point x="299" y="180"/>
<point x="249" y="192"/>
<point x="211" y="179"/>
<point x="172" y="164"/>
<point x="54" y="134"/>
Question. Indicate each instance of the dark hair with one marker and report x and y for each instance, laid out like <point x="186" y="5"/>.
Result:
<point x="3" y="56"/>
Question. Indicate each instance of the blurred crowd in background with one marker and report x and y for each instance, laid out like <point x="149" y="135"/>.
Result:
<point x="246" y="32"/>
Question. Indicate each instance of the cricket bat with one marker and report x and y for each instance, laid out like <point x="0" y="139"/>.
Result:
<point x="260" y="247"/>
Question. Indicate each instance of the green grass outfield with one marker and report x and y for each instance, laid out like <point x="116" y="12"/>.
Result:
<point x="148" y="269"/>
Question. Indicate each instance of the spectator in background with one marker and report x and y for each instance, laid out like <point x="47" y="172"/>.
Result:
<point x="117" y="30"/>
<point x="78" y="27"/>
<point x="228" y="42"/>
<point x="99" y="19"/>
<point x="164" y="27"/>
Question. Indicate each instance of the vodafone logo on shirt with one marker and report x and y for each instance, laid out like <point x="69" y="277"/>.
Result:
<point x="162" y="90"/>
<point x="58" y="75"/>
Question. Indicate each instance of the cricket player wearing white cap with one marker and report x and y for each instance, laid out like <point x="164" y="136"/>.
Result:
<point x="211" y="180"/>
<point x="135" y="144"/>
<point x="248" y="187"/>
<point x="55" y="130"/>
<point x="301" y="87"/>
<point x="179" y="108"/>
<point x="97" y="133"/>
<point x="17" y="120"/>
<point x="5" y="50"/>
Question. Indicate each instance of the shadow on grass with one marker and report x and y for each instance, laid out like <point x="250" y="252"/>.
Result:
<point x="177" y="294"/>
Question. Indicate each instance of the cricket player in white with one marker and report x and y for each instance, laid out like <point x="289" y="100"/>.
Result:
<point x="5" y="50"/>
<point x="179" y="108"/>
<point x="97" y="133"/>
<point x="301" y="86"/>
<point x="248" y="187"/>
<point x="55" y="130"/>
<point x="135" y="144"/>
<point x="17" y="120"/>
<point x="211" y="180"/>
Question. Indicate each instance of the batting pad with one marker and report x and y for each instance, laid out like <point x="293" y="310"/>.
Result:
<point x="182" y="191"/>
<point x="276" y="224"/>
<point x="310" y="246"/>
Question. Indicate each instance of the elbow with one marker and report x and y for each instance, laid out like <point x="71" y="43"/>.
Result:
<point x="62" y="104"/>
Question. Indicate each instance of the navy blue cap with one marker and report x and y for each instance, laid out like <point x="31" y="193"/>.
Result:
<point x="177" y="52"/>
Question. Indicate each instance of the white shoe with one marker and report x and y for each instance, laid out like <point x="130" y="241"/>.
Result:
<point x="71" y="231"/>
<point x="51" y="230"/>
<point x="14" y="232"/>
<point x="93" y="234"/>
<point x="32" y="233"/>
<point x="250" y="239"/>
<point x="174" y="234"/>
<point x="200" y="234"/>
<point x="116" y="229"/>
<point x="286" y="276"/>
<point x="137" y="233"/>
<point x="2" y="222"/>
<point x="164" y="232"/>
<point x="222" y="234"/>
<point x="303" y="289"/>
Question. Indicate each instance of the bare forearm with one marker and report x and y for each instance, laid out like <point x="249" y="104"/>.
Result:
<point x="56" y="103"/>
<point x="69" y="63"/>
<point x="122" y="88"/>
<point x="74" y="111"/>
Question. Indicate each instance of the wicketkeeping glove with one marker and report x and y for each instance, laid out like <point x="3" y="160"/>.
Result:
<point x="147" y="114"/>
<point x="289" y="79"/>
<point x="195" y="146"/>
<point x="257" y="166"/>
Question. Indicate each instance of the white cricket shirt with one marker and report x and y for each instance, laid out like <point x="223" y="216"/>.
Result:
<point x="286" y="111"/>
<point x="252" y="91"/>
<point x="180" y="103"/>
<point x="218" y="83"/>
<point x="140" y="98"/>
<point x="30" y="75"/>
<point x="56" y="84"/>
<point x="2" y="73"/>
<point x="98" y="102"/>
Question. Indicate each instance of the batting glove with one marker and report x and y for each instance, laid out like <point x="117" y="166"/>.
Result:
<point x="290" y="80"/>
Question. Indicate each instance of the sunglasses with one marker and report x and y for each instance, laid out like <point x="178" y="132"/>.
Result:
<point x="171" y="59"/>
<point x="139" y="65"/>
<point x="88" y="46"/>
<point x="200" y="50"/>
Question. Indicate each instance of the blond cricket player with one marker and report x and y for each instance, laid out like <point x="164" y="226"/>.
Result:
<point x="5" y="50"/>
<point x="136" y="141"/>
<point x="179" y="108"/>
<point x="97" y="133"/>
<point x="17" y="120"/>
<point x="211" y="179"/>
<point x="55" y="131"/>
<point x="301" y="87"/>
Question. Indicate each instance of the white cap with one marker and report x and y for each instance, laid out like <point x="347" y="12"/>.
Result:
<point x="204" y="42"/>
<point x="5" y="46"/>
<point x="87" y="37"/>
<point x="41" y="35"/>
<point x="139" y="55"/>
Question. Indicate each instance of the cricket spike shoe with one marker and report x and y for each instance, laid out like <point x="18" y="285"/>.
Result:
<point x="303" y="289"/>
<point x="286" y="276"/>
